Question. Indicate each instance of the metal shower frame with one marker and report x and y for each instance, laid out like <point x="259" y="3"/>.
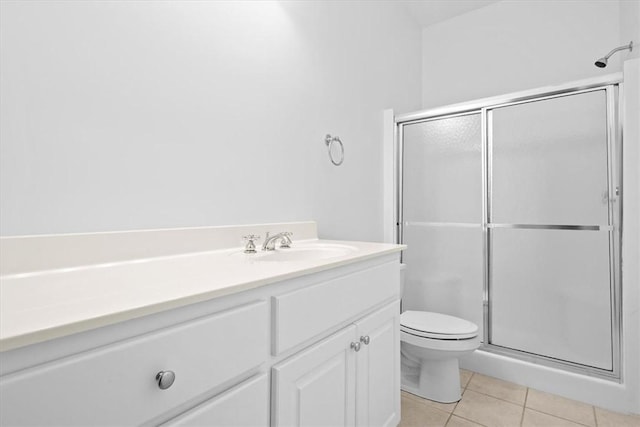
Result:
<point x="612" y="85"/>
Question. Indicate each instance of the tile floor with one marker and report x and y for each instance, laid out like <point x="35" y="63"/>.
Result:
<point x="491" y="402"/>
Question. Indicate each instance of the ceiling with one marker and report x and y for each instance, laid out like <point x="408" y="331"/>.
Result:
<point x="429" y="12"/>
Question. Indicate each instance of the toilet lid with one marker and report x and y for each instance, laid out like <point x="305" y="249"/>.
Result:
<point x="437" y="325"/>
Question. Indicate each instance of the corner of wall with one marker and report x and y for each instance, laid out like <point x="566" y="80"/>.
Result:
<point x="631" y="232"/>
<point x="630" y="26"/>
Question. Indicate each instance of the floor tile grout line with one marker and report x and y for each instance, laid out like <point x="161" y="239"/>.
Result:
<point x="502" y="400"/>
<point x="470" y="420"/>
<point x="595" y="416"/>
<point x="456" y="405"/>
<point x="426" y="405"/>
<point x="495" y="397"/>
<point x="423" y="401"/>
<point x="448" y="418"/>
<point x="474" y="421"/>
<point x="524" y="405"/>
<point x="466" y="384"/>
<point x="461" y="394"/>
<point x="558" y="416"/>
<point x="544" y="411"/>
<point x="522" y="416"/>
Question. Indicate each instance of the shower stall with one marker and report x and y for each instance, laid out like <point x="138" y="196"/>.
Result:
<point x="510" y="207"/>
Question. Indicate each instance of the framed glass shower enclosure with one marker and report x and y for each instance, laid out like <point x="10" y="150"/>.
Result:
<point x="510" y="208"/>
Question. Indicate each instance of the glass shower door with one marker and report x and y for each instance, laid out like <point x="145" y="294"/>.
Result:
<point x="550" y="229"/>
<point x="442" y="216"/>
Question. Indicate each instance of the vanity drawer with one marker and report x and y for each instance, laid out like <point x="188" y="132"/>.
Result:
<point x="116" y="384"/>
<point x="305" y="313"/>
<point x="247" y="404"/>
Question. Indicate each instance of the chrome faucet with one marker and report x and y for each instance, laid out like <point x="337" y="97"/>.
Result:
<point x="270" y="241"/>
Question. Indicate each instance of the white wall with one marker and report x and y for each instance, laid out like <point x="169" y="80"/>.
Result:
<point x="517" y="45"/>
<point x="129" y="115"/>
<point x="630" y="26"/>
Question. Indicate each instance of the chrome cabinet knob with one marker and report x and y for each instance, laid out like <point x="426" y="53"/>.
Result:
<point x="165" y="379"/>
<point x="355" y="346"/>
<point x="365" y="340"/>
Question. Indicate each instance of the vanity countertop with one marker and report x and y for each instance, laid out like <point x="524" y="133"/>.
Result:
<point x="42" y="305"/>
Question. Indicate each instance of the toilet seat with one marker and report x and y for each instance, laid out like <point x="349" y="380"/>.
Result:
<point x="437" y="326"/>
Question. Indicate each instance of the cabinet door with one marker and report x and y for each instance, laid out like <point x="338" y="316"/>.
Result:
<point x="378" y="368"/>
<point x="244" y="405"/>
<point x="316" y="387"/>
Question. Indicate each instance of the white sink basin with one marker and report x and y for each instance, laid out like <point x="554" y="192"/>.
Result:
<point x="303" y="253"/>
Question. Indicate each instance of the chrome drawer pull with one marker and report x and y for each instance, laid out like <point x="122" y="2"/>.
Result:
<point x="355" y="346"/>
<point x="365" y="340"/>
<point x="165" y="379"/>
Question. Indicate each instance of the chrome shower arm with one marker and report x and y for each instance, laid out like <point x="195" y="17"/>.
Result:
<point x="623" y="47"/>
<point x="602" y="62"/>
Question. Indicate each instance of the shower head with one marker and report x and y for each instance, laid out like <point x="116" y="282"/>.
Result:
<point x="602" y="62"/>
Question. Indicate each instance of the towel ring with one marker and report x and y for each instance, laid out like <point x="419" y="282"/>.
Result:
<point x="329" y="140"/>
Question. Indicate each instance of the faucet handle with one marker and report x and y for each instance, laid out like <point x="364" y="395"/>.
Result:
<point x="250" y="247"/>
<point x="286" y="239"/>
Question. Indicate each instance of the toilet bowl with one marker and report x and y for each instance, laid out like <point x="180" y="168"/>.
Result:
<point x="431" y="344"/>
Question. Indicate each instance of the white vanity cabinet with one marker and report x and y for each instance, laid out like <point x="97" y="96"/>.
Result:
<point x="350" y="378"/>
<point x="378" y="368"/>
<point x="116" y="384"/>
<point x="246" y="405"/>
<point x="319" y="349"/>
<point x="318" y="386"/>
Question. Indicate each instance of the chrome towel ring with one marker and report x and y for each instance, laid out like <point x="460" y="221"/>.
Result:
<point x="329" y="140"/>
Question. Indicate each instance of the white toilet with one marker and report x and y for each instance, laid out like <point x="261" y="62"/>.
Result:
<point x="431" y="344"/>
